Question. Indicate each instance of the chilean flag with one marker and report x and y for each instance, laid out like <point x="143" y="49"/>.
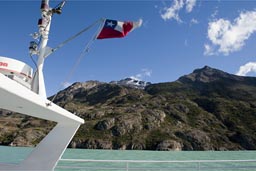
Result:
<point x="116" y="29"/>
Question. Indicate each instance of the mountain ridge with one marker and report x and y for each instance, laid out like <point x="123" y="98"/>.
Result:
<point x="207" y="109"/>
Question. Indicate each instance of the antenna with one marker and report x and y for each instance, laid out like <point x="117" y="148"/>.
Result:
<point x="58" y="8"/>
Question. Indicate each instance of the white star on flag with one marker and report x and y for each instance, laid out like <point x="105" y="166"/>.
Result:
<point x="110" y="24"/>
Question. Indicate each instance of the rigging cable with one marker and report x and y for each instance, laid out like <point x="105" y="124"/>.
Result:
<point x="80" y="57"/>
<point x="76" y="35"/>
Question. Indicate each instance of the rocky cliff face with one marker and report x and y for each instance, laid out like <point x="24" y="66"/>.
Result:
<point x="205" y="110"/>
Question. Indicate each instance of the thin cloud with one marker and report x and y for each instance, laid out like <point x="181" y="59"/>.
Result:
<point x="215" y="13"/>
<point x="227" y="37"/>
<point x="247" y="68"/>
<point x="193" y="21"/>
<point x="143" y="74"/>
<point x="172" y="12"/>
<point x="208" y="50"/>
<point x="190" y="5"/>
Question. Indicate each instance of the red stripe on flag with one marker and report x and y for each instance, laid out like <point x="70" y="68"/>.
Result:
<point x="109" y="33"/>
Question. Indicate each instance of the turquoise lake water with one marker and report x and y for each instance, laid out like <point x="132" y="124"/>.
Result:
<point x="17" y="154"/>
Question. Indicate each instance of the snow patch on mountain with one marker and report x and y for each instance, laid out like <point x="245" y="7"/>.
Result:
<point x="132" y="82"/>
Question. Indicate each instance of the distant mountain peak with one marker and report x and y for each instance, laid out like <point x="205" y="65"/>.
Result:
<point x="209" y="70"/>
<point x="132" y="82"/>
<point x="207" y="74"/>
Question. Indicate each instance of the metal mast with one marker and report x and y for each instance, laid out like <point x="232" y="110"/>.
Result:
<point x="41" y="49"/>
<point x="44" y="24"/>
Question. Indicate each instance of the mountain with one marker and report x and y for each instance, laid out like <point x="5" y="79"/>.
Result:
<point x="206" y="110"/>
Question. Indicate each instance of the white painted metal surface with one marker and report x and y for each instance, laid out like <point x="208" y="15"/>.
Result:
<point x="8" y="65"/>
<point x="16" y="70"/>
<point x="16" y="97"/>
<point x="45" y="156"/>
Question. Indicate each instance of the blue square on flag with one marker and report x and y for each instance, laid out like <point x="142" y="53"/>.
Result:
<point x="110" y="23"/>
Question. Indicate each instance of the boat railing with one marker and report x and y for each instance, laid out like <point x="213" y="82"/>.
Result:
<point x="156" y="165"/>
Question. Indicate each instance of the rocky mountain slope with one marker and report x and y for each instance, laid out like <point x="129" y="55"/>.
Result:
<point x="205" y="110"/>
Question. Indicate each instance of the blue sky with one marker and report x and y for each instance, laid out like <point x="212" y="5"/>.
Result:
<point x="175" y="38"/>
